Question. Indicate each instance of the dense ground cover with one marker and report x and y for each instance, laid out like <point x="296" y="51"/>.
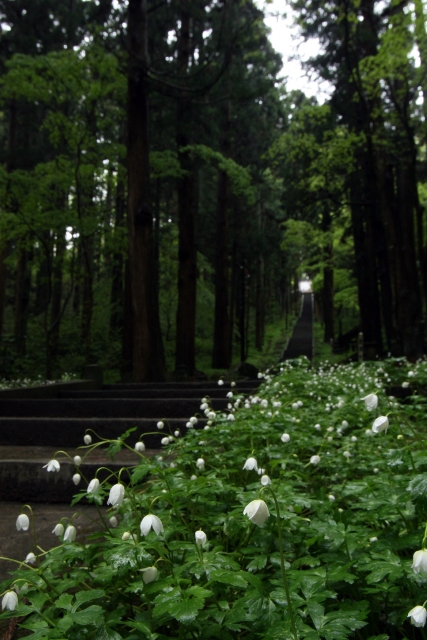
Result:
<point x="295" y="516"/>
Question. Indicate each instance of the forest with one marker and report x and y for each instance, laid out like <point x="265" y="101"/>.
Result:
<point x="162" y="191"/>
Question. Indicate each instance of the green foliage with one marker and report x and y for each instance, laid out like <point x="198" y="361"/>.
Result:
<point x="350" y="520"/>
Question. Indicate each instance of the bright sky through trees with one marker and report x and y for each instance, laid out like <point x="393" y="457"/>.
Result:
<point x="286" y="39"/>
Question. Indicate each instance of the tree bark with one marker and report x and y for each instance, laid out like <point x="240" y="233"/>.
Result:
<point x="148" y="355"/>
<point x="221" y="342"/>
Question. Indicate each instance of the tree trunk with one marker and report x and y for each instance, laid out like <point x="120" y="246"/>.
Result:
<point x="22" y="298"/>
<point x="259" y="304"/>
<point x="185" y="354"/>
<point x="116" y="296"/>
<point x="148" y="355"/>
<point x="221" y="342"/>
<point x="4" y="252"/>
<point x="56" y="310"/>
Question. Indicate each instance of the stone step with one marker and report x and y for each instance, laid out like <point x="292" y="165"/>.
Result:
<point x="191" y="394"/>
<point x="69" y="432"/>
<point x="111" y="408"/>
<point x="23" y="477"/>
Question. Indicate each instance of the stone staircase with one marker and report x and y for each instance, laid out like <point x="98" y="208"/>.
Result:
<point x="36" y="422"/>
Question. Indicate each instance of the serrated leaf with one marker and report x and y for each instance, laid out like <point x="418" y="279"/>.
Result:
<point x="87" y="596"/>
<point x="186" y="610"/>
<point x="316" y="611"/>
<point x="92" y="615"/>
<point x="228" y="577"/>
<point x="64" y="601"/>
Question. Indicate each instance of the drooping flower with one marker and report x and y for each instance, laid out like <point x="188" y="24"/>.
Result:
<point x="419" y="562"/>
<point x="139" y="447"/>
<point x="151" y="522"/>
<point x="53" y="465"/>
<point x="165" y="440"/>
<point x="231" y="417"/>
<point x="201" y="538"/>
<point x="126" y="535"/>
<point x="117" y="493"/>
<point x="58" y="529"/>
<point x="265" y="480"/>
<point x="77" y="461"/>
<point x="314" y="459"/>
<point x="31" y="558"/>
<point x="70" y="533"/>
<point x="371" y="401"/>
<point x="150" y="574"/>
<point x="285" y="437"/>
<point x="380" y="424"/>
<point x="418" y="616"/>
<point x="113" y="521"/>
<point x="347" y="454"/>
<point x="193" y="420"/>
<point x="22" y="522"/>
<point x="9" y="601"/>
<point x="93" y="487"/>
<point x="200" y="464"/>
<point x="220" y="383"/>
<point x="257" y="512"/>
<point x="87" y="439"/>
<point x="250" y="465"/>
<point x="76" y="478"/>
<point x="160" y="425"/>
<point x="331" y="497"/>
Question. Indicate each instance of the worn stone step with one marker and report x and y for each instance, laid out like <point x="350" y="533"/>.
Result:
<point x="155" y="393"/>
<point x="23" y="477"/>
<point x="69" y="432"/>
<point x="111" y="408"/>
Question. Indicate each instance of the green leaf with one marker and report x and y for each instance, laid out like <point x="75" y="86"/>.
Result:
<point x="105" y="632"/>
<point x="316" y="611"/>
<point x="87" y="596"/>
<point x="64" y="601"/>
<point x="186" y="610"/>
<point x="228" y="577"/>
<point x="92" y="615"/>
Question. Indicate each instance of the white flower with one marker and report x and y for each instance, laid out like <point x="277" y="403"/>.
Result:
<point x="331" y="497"/>
<point x="371" y="401"/>
<point x="10" y="601"/>
<point x="139" y="447"/>
<point x="76" y="478"/>
<point x="22" y="522"/>
<point x="314" y="459"/>
<point x="411" y="374"/>
<point x="250" y="465"/>
<point x="58" y="530"/>
<point x="77" y="461"/>
<point x="177" y="433"/>
<point x="257" y="512"/>
<point x="160" y="425"/>
<point x="116" y="496"/>
<point x="204" y="406"/>
<point x="405" y="385"/>
<point x="330" y="429"/>
<point x="380" y="424"/>
<point x="344" y="423"/>
<point x="53" y="465"/>
<point x="200" y="464"/>
<point x="30" y="559"/>
<point x="193" y="420"/>
<point x="220" y="383"/>
<point x="354" y="438"/>
<point x="150" y="574"/>
<point x="230" y="417"/>
<point x="211" y="415"/>
<point x="189" y="425"/>
<point x="232" y="384"/>
<point x="151" y="522"/>
<point x="285" y="437"/>
<point x="373" y="539"/>
<point x="229" y="394"/>
<point x="265" y="480"/>
<point x="418" y="616"/>
<point x="70" y="533"/>
<point x="201" y="538"/>
<point x="87" y="439"/>
<point x="420" y="561"/>
<point x="193" y="477"/>
<point x="93" y="487"/>
<point x="295" y="405"/>
<point x="126" y="535"/>
<point x="346" y="454"/>
<point x="165" y="440"/>
<point x="113" y="522"/>
<point x="318" y="427"/>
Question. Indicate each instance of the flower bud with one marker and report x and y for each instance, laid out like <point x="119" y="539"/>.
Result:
<point x="76" y="478"/>
<point x="265" y="480"/>
<point x="160" y="425"/>
<point x="200" y="464"/>
<point x="87" y="439"/>
<point x="113" y="522"/>
<point x="126" y="535"/>
<point x="285" y="437"/>
<point x="314" y="459"/>
<point x="77" y="461"/>
<point x="200" y="537"/>
<point x="139" y="447"/>
<point x="165" y="441"/>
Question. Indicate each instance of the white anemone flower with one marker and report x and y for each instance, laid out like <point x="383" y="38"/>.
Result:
<point x="200" y="464"/>
<point x="150" y="574"/>
<point x="201" y="538"/>
<point x="58" y="529"/>
<point x="418" y="616"/>
<point x="151" y="522"/>
<point x="139" y="447"/>
<point x="371" y="401"/>
<point x="380" y="424"/>
<point x="77" y="461"/>
<point x="93" y="487"/>
<point x="257" y="512"/>
<point x="265" y="480"/>
<point x="22" y="522"/>
<point x="30" y="559"/>
<point x="250" y="465"/>
<point x="9" y="601"/>
<point x="76" y="478"/>
<point x="70" y="533"/>
<point x="285" y="437"/>
<point x="113" y="522"/>
<point x="87" y="439"/>
<point x="314" y="459"/>
<point x="160" y="425"/>
<point x="419" y="562"/>
<point x="52" y="465"/>
<point x="116" y="496"/>
<point x="165" y="440"/>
